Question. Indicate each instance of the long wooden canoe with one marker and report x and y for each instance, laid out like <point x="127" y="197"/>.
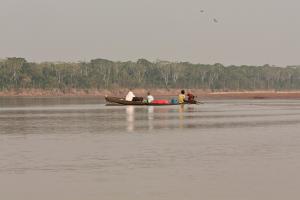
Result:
<point x="122" y="101"/>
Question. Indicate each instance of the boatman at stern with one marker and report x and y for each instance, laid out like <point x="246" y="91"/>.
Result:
<point x="129" y="96"/>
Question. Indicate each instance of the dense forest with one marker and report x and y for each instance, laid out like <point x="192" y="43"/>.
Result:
<point x="17" y="73"/>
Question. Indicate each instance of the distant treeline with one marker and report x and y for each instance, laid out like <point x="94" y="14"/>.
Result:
<point x="17" y="73"/>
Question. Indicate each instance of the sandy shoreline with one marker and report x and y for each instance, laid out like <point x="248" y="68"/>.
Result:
<point x="155" y="92"/>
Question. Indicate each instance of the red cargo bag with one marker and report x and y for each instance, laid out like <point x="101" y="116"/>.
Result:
<point x="160" y="101"/>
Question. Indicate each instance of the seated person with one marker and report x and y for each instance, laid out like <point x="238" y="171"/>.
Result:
<point x="181" y="97"/>
<point x="150" y="98"/>
<point x="191" y="97"/>
<point x="129" y="96"/>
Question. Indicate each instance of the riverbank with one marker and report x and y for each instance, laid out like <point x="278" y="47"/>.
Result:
<point x="156" y="92"/>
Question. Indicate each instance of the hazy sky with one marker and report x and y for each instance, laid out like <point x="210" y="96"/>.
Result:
<point x="248" y="32"/>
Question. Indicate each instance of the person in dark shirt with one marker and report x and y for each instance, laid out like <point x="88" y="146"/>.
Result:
<point x="191" y="98"/>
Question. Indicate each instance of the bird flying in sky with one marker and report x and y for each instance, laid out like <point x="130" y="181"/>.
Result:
<point x="214" y="20"/>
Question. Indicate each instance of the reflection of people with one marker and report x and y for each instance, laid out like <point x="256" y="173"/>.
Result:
<point x="181" y="116"/>
<point x="181" y="97"/>
<point x="129" y="96"/>
<point x="181" y="108"/>
<point x="130" y="118"/>
<point x="150" y="117"/>
<point x="150" y="98"/>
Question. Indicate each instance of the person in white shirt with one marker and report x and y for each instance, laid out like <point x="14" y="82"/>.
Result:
<point x="129" y="96"/>
<point x="150" y="98"/>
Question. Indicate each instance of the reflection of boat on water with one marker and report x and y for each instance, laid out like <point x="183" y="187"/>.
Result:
<point x="122" y="101"/>
<point x="150" y="117"/>
<point x="130" y="118"/>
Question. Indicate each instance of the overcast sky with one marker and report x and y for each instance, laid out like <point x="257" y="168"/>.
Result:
<point x="248" y="31"/>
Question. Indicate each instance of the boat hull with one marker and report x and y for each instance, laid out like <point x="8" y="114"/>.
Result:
<point x="122" y="101"/>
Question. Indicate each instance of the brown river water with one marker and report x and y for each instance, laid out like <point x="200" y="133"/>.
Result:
<point x="78" y="148"/>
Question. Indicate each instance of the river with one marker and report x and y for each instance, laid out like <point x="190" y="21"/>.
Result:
<point x="78" y="148"/>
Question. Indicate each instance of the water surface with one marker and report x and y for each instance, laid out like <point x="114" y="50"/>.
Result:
<point x="78" y="148"/>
